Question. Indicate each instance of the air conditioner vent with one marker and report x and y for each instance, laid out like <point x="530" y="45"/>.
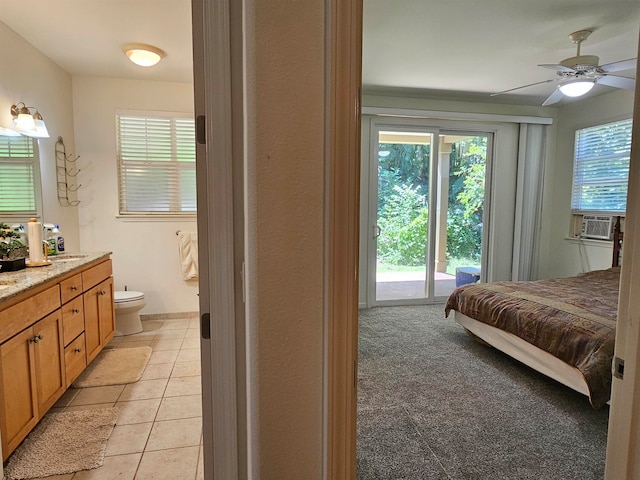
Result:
<point x="597" y="227"/>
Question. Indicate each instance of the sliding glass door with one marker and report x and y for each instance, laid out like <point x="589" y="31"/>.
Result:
<point x="427" y="211"/>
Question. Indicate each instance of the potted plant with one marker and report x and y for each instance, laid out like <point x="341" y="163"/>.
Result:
<point x="12" y="250"/>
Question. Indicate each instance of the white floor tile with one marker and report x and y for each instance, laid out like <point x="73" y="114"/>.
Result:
<point x="184" y="432"/>
<point x="179" y="386"/>
<point x="163" y="356"/>
<point x="157" y="370"/>
<point x="138" y="411"/>
<point x="174" y="464"/>
<point x="185" y="406"/>
<point x="128" y="439"/>
<point x="144" y="389"/>
<point x="119" y="467"/>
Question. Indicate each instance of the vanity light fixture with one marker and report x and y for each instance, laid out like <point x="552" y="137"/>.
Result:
<point x="576" y="88"/>
<point x="31" y="125"/>
<point x="143" y="55"/>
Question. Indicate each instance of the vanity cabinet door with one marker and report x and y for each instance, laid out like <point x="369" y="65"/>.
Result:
<point x="49" y="360"/>
<point x="99" y="317"/>
<point x="19" y="412"/>
<point x="33" y="378"/>
<point x="107" y="311"/>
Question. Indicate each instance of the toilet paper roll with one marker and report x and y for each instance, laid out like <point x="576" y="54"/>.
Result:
<point x="34" y="235"/>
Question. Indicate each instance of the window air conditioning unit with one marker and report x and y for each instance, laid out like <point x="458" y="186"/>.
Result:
<point x="597" y="227"/>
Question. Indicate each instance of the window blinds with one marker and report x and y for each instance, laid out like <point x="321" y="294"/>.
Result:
<point x="17" y="176"/>
<point x="601" y="168"/>
<point x="156" y="161"/>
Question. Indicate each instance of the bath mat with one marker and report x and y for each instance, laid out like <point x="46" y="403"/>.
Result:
<point x="114" y="366"/>
<point x="63" y="442"/>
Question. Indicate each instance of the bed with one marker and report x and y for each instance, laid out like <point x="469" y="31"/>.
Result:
<point x="563" y="328"/>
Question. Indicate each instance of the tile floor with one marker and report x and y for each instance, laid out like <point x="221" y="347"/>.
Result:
<point x="158" y="434"/>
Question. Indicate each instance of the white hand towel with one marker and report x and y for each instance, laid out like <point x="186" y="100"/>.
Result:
<point x="188" y="253"/>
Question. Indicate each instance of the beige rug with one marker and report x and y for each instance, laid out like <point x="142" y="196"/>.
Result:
<point x="63" y="443"/>
<point x="114" y="366"/>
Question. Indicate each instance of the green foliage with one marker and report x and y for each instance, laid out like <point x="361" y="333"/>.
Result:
<point x="466" y="198"/>
<point x="403" y="223"/>
<point x="9" y="243"/>
<point x="403" y="189"/>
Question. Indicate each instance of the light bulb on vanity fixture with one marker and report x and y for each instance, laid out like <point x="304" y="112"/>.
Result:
<point x="143" y="55"/>
<point x="26" y="123"/>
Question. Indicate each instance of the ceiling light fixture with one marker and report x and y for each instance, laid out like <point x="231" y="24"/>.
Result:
<point x="143" y="55"/>
<point x="576" y="88"/>
<point x="27" y="123"/>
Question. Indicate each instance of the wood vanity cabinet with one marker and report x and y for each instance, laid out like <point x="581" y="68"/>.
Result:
<point x="32" y="371"/>
<point x="47" y="339"/>
<point x="99" y="313"/>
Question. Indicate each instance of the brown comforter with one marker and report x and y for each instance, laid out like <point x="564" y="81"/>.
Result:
<point x="572" y="318"/>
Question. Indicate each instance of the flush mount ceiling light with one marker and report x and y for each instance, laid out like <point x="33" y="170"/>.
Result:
<point x="143" y="55"/>
<point x="577" y="88"/>
<point x="27" y="123"/>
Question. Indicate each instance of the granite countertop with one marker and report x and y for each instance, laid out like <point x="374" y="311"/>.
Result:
<point x="13" y="283"/>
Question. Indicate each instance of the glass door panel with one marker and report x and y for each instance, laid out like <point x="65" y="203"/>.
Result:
<point x="461" y="197"/>
<point x="402" y="221"/>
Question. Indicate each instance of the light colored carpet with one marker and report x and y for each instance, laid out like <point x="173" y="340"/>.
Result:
<point x="63" y="443"/>
<point x="115" y="366"/>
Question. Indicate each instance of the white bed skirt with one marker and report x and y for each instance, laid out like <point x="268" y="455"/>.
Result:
<point x="526" y="353"/>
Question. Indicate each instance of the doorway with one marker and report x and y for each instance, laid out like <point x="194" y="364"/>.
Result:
<point x="427" y="212"/>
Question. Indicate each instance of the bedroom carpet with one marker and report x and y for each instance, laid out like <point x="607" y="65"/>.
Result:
<point x="435" y="404"/>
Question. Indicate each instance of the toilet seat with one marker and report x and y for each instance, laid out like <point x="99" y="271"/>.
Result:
<point x="127" y="296"/>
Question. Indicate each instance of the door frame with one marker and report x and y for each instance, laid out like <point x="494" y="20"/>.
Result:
<point x="343" y="47"/>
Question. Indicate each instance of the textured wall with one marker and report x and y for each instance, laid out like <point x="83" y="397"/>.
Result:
<point x="285" y="149"/>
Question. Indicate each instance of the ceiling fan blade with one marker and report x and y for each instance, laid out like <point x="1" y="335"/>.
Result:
<point x="619" y="66"/>
<point x="525" y="86"/>
<point x="555" y="97"/>
<point x="618" y="82"/>
<point x="557" y="67"/>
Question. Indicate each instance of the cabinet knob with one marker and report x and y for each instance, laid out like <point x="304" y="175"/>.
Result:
<point x="35" y="339"/>
<point x="75" y="310"/>
<point x="102" y="292"/>
<point x="77" y="350"/>
<point x="74" y="288"/>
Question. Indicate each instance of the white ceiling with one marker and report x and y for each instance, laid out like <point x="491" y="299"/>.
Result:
<point x="450" y="48"/>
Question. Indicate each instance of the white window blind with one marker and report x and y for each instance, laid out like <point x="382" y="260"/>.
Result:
<point x="18" y="182"/>
<point x="601" y="168"/>
<point x="156" y="161"/>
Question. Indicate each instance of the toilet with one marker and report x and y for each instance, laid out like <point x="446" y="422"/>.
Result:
<point x="128" y="305"/>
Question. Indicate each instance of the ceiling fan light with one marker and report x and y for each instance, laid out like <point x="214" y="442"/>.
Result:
<point x="143" y="55"/>
<point x="577" y="88"/>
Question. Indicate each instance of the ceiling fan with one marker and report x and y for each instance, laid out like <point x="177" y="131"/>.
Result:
<point x="577" y="75"/>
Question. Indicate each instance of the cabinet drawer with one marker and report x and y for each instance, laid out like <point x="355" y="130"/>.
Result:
<point x="23" y="314"/>
<point x="72" y="319"/>
<point x="95" y="275"/>
<point x="70" y="288"/>
<point x="75" y="359"/>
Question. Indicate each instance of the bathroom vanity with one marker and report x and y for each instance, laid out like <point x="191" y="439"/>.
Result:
<point x="54" y="320"/>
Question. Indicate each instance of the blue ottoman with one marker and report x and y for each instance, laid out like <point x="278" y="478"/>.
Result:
<point x="466" y="275"/>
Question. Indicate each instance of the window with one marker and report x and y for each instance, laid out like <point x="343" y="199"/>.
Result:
<point x="156" y="162"/>
<point x="601" y="168"/>
<point x="19" y="177"/>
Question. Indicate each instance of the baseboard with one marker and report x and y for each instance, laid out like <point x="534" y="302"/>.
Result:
<point x="167" y="316"/>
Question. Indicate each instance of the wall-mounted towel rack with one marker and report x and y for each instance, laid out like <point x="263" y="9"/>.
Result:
<point x="66" y="173"/>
